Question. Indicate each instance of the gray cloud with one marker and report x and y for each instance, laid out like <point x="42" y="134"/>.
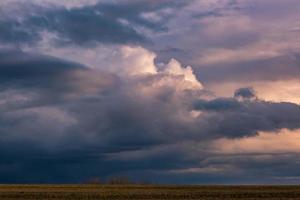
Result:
<point x="114" y="129"/>
<point x="247" y="93"/>
<point x="112" y="23"/>
<point x="233" y="118"/>
<point x="31" y="67"/>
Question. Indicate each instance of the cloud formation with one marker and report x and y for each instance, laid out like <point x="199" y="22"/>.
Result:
<point x="100" y="22"/>
<point x="106" y="88"/>
<point x="128" y="120"/>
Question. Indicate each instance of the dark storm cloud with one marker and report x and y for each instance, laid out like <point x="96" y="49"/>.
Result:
<point x="69" y="132"/>
<point x="118" y="131"/>
<point x="229" y="117"/>
<point x="102" y="125"/>
<point x="112" y="23"/>
<point x="33" y="80"/>
<point x="18" y="66"/>
<point x="221" y="104"/>
<point x="35" y="73"/>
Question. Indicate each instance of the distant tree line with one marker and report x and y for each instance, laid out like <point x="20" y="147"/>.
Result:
<point x="116" y="180"/>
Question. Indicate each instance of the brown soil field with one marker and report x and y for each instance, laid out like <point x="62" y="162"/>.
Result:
<point x="140" y="192"/>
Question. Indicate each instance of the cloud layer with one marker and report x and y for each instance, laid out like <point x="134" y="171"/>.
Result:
<point x="167" y="91"/>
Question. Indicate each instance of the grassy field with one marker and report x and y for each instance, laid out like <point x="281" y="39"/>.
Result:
<point x="97" y="192"/>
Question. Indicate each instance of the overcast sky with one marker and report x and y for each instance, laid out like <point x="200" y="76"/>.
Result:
<point x="168" y="91"/>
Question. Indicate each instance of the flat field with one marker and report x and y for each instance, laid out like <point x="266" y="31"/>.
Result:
<point x="140" y="192"/>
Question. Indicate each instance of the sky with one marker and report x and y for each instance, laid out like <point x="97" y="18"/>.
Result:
<point x="160" y="91"/>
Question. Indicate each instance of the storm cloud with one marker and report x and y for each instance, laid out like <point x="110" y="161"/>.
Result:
<point x="112" y="123"/>
<point x="116" y="88"/>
